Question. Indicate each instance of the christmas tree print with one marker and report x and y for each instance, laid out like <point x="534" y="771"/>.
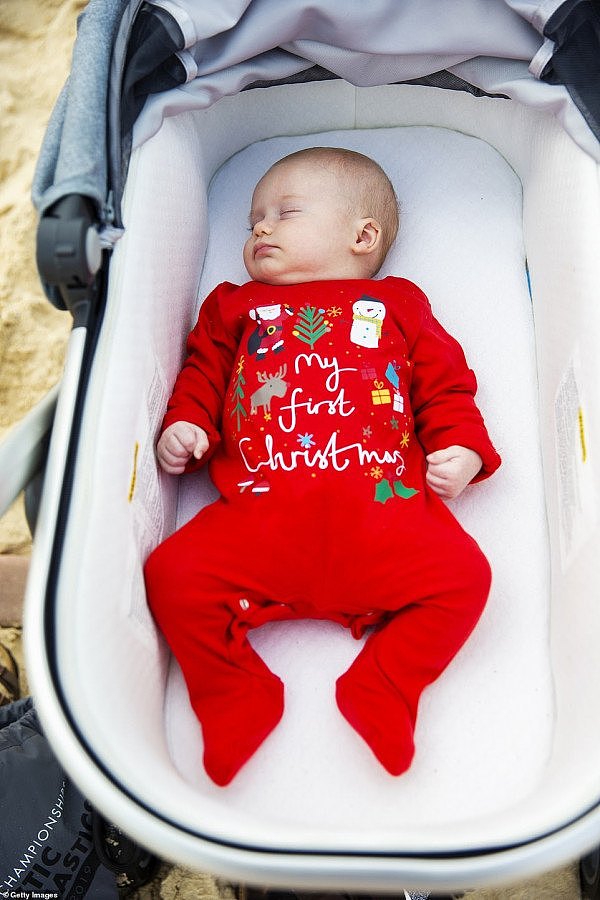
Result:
<point x="311" y="325"/>
<point x="238" y="394"/>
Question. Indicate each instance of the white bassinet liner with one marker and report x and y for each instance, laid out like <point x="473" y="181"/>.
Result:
<point x="484" y="729"/>
<point x="492" y="767"/>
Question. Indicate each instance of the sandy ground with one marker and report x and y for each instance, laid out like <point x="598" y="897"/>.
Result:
<point x="36" y="38"/>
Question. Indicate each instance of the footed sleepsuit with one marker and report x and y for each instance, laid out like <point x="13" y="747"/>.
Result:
<point x="320" y="401"/>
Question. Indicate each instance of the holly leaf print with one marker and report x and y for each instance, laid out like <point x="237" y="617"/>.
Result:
<point x="402" y="491"/>
<point x="383" y="491"/>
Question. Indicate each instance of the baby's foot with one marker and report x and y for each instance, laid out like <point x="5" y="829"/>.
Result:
<point x="380" y="715"/>
<point x="233" y="733"/>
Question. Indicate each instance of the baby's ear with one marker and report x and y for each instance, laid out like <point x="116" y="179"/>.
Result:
<point x="367" y="236"/>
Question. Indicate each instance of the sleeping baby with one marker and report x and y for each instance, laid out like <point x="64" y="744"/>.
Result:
<point x="336" y="416"/>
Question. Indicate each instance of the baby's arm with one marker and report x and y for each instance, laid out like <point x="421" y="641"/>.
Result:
<point x="178" y="443"/>
<point x="442" y="395"/>
<point x="200" y="388"/>
<point x="449" y="471"/>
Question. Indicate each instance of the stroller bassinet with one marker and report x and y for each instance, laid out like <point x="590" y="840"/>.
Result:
<point x="497" y="172"/>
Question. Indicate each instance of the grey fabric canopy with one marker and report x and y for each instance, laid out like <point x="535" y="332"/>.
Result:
<point x="136" y="63"/>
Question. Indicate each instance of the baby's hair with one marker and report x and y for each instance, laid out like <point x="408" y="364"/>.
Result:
<point x="369" y="190"/>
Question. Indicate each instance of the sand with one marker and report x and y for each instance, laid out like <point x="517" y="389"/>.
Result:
<point x="36" y="38"/>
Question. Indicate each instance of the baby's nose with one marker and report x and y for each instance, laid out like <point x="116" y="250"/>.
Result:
<point x="262" y="227"/>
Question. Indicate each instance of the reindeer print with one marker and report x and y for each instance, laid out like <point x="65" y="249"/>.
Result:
<point x="272" y="386"/>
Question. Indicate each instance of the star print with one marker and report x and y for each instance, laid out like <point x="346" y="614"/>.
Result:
<point x="367" y="432"/>
<point x="405" y="439"/>
<point x="394" y="423"/>
<point x="306" y="441"/>
<point x="376" y="472"/>
<point x="334" y="312"/>
<point x="267" y="417"/>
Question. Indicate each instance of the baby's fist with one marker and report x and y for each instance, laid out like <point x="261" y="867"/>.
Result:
<point x="449" y="471"/>
<point x="178" y="443"/>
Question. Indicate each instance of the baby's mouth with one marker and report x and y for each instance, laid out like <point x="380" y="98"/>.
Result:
<point x="261" y="249"/>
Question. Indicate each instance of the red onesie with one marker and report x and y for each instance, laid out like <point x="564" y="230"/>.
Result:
<point x="320" y="401"/>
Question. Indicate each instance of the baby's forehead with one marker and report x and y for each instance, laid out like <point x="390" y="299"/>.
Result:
<point x="298" y="177"/>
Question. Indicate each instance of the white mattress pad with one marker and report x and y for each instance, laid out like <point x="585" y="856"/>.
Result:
<point x="485" y="727"/>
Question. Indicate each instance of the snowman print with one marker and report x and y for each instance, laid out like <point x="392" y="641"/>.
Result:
<point x="367" y="321"/>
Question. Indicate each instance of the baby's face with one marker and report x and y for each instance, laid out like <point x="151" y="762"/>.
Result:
<point x="302" y="227"/>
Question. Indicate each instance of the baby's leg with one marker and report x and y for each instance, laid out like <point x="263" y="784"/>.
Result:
<point x="442" y="586"/>
<point x="203" y="592"/>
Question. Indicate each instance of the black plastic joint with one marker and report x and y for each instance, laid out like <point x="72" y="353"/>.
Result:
<point x="69" y="253"/>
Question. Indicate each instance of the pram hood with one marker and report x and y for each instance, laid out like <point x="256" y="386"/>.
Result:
<point x="136" y="63"/>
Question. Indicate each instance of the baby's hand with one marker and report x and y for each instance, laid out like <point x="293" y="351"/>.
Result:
<point x="449" y="471"/>
<point x="178" y="443"/>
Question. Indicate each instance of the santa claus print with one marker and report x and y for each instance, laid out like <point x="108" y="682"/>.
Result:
<point x="268" y="334"/>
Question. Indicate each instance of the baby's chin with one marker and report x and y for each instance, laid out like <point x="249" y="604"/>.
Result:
<point x="276" y="278"/>
<point x="279" y="278"/>
<point x="275" y="281"/>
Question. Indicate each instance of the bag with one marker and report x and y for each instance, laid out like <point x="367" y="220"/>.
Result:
<point x="52" y="843"/>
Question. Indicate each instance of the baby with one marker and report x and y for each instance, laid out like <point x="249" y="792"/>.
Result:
<point x="337" y="415"/>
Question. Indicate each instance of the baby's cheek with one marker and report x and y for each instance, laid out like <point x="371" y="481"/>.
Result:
<point x="247" y="255"/>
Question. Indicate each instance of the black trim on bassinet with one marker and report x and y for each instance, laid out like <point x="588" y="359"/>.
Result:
<point x="152" y="64"/>
<point x="442" y="79"/>
<point x="575" y="30"/>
